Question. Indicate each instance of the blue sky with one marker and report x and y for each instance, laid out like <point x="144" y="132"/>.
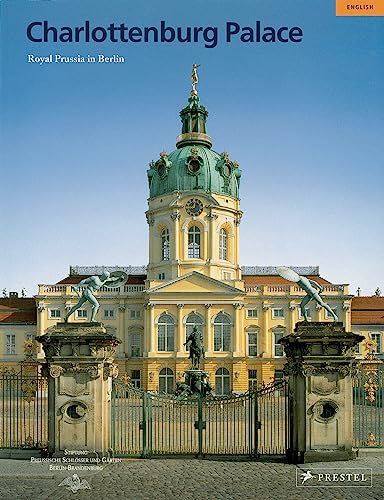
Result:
<point x="305" y="121"/>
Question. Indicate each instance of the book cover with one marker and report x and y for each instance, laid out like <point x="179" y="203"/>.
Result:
<point x="91" y="94"/>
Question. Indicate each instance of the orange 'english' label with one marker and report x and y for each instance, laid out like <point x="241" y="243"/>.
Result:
<point x="359" y="7"/>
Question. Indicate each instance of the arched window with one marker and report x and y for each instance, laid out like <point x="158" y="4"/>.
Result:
<point x="193" y="319"/>
<point x="165" y="249"/>
<point x="165" y="333"/>
<point x="223" y="244"/>
<point x="194" y="242"/>
<point x="222" y="382"/>
<point x="166" y="380"/>
<point x="222" y="333"/>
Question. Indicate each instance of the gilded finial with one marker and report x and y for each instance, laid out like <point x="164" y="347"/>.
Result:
<point x="195" y="79"/>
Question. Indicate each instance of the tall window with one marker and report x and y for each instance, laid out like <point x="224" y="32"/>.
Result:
<point x="165" y="333"/>
<point x="252" y="379"/>
<point x="135" y="345"/>
<point x="165" y="244"/>
<point x="223" y="244"/>
<point x="222" y="333"/>
<point x="376" y="337"/>
<point x="222" y="382"/>
<point x="252" y="342"/>
<point x="10" y="344"/>
<point x="136" y="378"/>
<point x="278" y="350"/>
<point x="194" y="242"/>
<point x="166" y="380"/>
<point x="193" y="320"/>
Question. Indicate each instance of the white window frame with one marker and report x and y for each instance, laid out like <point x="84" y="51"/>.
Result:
<point x="162" y="276"/>
<point x="223" y="244"/>
<point x="167" y="378"/>
<point x="82" y="313"/>
<point x="107" y="313"/>
<point x="10" y="344"/>
<point x="275" y="311"/>
<point x="278" y="379"/>
<point x="253" y="331"/>
<point x="222" y="382"/>
<point x="252" y="381"/>
<point x="226" y="275"/>
<point x="194" y="242"/>
<point x="134" y="313"/>
<point x="135" y="345"/>
<point x="379" y="342"/>
<point x="222" y="333"/>
<point x="165" y="245"/>
<point x="194" y="320"/>
<point x="280" y="333"/>
<point x="136" y="381"/>
<point x="53" y="313"/>
<point x="255" y="313"/>
<point x="166" y="333"/>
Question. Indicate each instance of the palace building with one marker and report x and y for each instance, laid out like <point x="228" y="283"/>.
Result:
<point x="194" y="278"/>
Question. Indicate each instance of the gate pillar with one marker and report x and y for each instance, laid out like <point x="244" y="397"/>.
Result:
<point x="320" y="365"/>
<point x="80" y="367"/>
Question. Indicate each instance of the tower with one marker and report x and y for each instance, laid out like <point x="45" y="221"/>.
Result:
<point x="194" y="207"/>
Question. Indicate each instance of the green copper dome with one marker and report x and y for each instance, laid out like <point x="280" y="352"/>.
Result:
<point x="194" y="166"/>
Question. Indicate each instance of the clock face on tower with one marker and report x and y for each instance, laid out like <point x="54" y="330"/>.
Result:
<point x="194" y="207"/>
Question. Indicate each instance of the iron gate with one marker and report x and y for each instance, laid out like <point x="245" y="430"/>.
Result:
<point x="148" y="424"/>
<point x="23" y="407"/>
<point x="368" y="404"/>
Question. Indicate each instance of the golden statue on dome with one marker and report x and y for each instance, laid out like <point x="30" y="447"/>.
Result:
<point x="195" y="79"/>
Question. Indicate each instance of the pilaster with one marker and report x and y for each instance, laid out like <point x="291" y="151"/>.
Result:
<point x="208" y="341"/>
<point x="180" y="337"/>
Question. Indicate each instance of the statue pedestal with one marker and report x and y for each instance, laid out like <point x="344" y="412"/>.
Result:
<point x="196" y="383"/>
<point x="320" y="365"/>
<point x="80" y="367"/>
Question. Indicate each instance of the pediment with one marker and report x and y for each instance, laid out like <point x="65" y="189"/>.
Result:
<point x="195" y="283"/>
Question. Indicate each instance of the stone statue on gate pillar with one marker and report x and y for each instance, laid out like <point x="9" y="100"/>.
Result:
<point x="311" y="287"/>
<point x="93" y="284"/>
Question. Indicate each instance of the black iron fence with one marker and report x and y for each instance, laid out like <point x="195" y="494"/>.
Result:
<point x="149" y="424"/>
<point x="23" y="407"/>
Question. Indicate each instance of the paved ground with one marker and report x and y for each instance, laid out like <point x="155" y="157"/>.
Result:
<point x="187" y="479"/>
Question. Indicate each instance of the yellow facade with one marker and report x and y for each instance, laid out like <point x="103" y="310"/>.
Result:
<point x="194" y="277"/>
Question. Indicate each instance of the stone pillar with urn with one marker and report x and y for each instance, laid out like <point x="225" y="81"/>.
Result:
<point x="320" y="365"/>
<point x="79" y="367"/>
